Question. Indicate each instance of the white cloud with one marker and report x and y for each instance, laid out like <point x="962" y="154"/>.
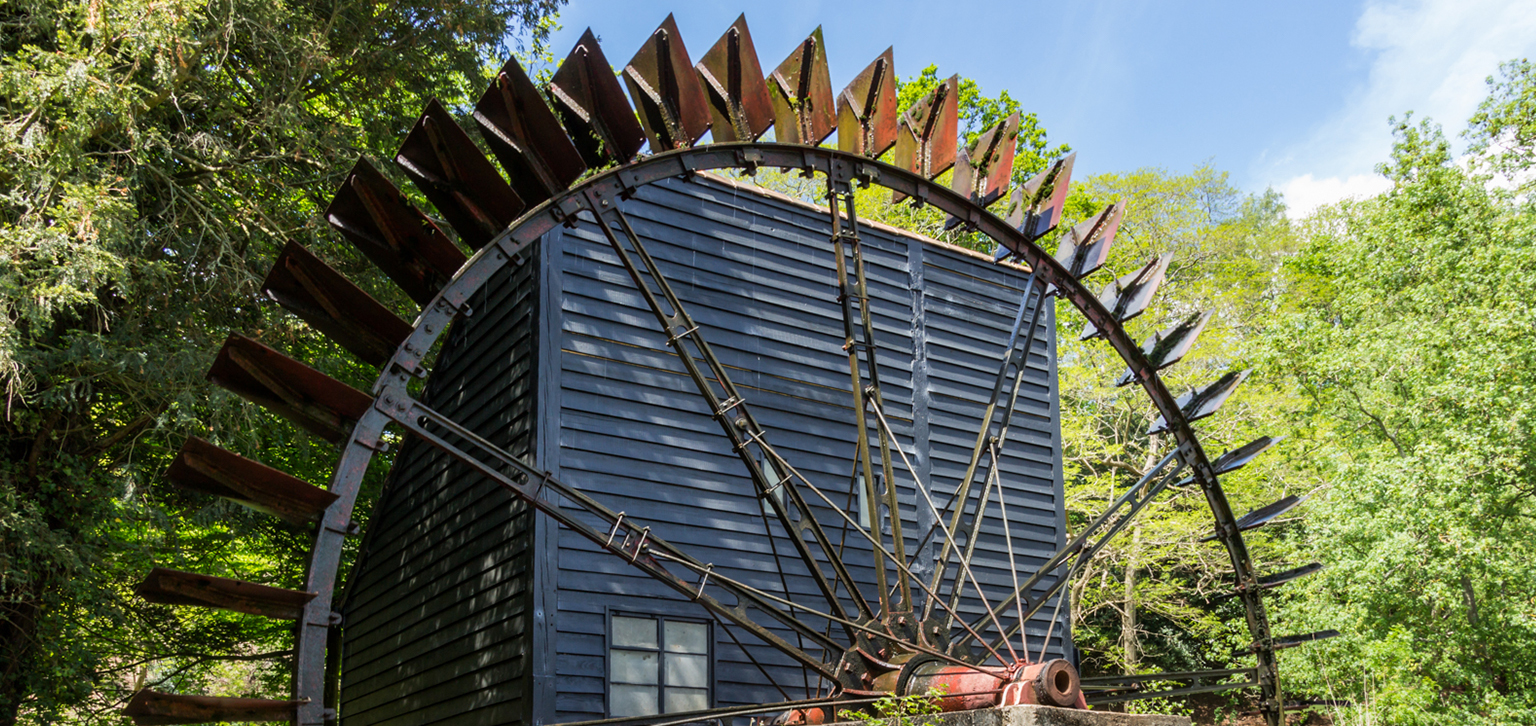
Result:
<point x="1303" y="194"/>
<point x="1429" y="57"/>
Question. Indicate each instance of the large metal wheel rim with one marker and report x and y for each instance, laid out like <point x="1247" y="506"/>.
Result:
<point x="509" y="247"/>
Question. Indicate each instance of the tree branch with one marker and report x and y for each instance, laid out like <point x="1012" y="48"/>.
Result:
<point x="1379" y="423"/>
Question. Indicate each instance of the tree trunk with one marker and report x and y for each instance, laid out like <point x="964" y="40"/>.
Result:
<point x="17" y="633"/>
<point x="1128" y="640"/>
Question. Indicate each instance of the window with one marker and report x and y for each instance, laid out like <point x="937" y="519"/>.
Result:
<point x="657" y="665"/>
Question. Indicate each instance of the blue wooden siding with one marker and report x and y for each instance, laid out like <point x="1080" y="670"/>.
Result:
<point x="757" y="274"/>
<point x="435" y="619"/>
<point x="464" y="601"/>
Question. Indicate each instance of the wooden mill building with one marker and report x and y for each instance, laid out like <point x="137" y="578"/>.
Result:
<point x="465" y="608"/>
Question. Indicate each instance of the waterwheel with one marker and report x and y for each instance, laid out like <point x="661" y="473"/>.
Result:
<point x="910" y="615"/>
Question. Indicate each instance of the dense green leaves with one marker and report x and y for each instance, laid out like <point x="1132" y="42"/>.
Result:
<point x="1503" y="130"/>
<point x="157" y="155"/>
<point x="1146" y="603"/>
<point x="1409" y="336"/>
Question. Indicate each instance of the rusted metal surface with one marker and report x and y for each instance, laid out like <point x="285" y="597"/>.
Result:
<point x="1280" y="578"/>
<point x="861" y="345"/>
<point x="174" y="587"/>
<point x="1268" y="513"/>
<point x="330" y="303"/>
<point x="315" y="628"/>
<point x="739" y="106"/>
<point x="967" y="687"/>
<point x="1260" y="517"/>
<point x="1166" y="347"/>
<point x="1269" y="582"/>
<point x="1035" y="207"/>
<point x="152" y="708"/>
<point x="666" y="91"/>
<point x="395" y="236"/>
<point x="314" y="401"/>
<point x="1291" y="641"/>
<point x="1204" y="400"/>
<point x="956" y="688"/>
<point x="1052" y="683"/>
<point x="1085" y="247"/>
<point x="866" y="109"/>
<point x="591" y="103"/>
<point x="461" y="183"/>
<point x="1016" y="239"/>
<point x="202" y="467"/>
<point x="926" y="136"/>
<point x="1130" y="295"/>
<point x="985" y="166"/>
<point x="525" y="136"/>
<point x="1014" y="242"/>
<point x="1240" y="456"/>
<point x="801" y="91"/>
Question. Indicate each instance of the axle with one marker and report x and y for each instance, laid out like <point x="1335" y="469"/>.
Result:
<point x="961" y="687"/>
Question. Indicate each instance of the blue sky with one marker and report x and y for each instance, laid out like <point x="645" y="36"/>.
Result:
<point x="1290" y="95"/>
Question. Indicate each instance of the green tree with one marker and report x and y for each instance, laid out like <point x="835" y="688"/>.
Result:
<point x="1145" y="603"/>
<point x="1503" y="131"/>
<point x="1409" y="336"/>
<point x="156" y="156"/>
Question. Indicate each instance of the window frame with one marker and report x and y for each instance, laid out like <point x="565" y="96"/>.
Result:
<point x="609" y="613"/>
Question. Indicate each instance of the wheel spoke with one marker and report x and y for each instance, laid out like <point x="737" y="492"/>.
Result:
<point x="769" y="676"/>
<point x="1015" y="356"/>
<point x="995" y="444"/>
<point x="964" y="566"/>
<point x="778" y="564"/>
<point x="1061" y="597"/>
<point x="1013" y="568"/>
<point x="1076" y="544"/>
<point x="620" y="537"/>
<point x="890" y="557"/>
<point x="857" y="338"/>
<point x="445" y="297"/>
<point x="868" y="630"/>
<point x="1086" y="554"/>
<point x="728" y="406"/>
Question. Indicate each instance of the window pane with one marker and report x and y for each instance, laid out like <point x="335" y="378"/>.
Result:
<point x="687" y="670"/>
<point x="634" y="632"/>
<point x="631" y="701"/>
<point x="686" y="637"/>
<point x="687" y="699"/>
<point x="632" y="666"/>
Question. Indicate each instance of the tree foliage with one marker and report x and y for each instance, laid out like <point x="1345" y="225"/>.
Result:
<point x="1409" y="337"/>
<point x="1147" y="602"/>
<point x="157" y="155"/>
<point x="1503" y="131"/>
